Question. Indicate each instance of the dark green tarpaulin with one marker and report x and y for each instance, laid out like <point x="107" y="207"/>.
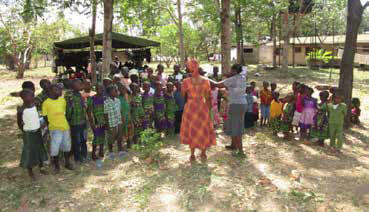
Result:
<point x="120" y="41"/>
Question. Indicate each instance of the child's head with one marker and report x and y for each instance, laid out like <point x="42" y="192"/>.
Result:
<point x="27" y="96"/>
<point x="116" y="79"/>
<point x="355" y="102"/>
<point x="87" y="86"/>
<point x="170" y="87"/>
<point x="55" y="91"/>
<point x="273" y="86"/>
<point x="276" y="96"/>
<point x="295" y="85"/>
<point x="159" y="86"/>
<point x="76" y="85"/>
<point x="135" y="88"/>
<point x="99" y="89"/>
<point x="45" y="84"/>
<point x="107" y="82"/>
<point x="337" y="97"/>
<point x="249" y="89"/>
<point x="134" y="78"/>
<point x="28" y="85"/>
<point x="309" y="91"/>
<point x="265" y="85"/>
<point x="324" y="96"/>
<point x="160" y="69"/>
<point x="149" y="71"/>
<point x="146" y="87"/>
<point x="290" y="98"/>
<point x="112" y="91"/>
<point x="332" y="90"/>
<point x="253" y="85"/>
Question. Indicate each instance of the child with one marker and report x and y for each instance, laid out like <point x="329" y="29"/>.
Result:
<point x="53" y="110"/>
<point x="148" y="106"/>
<point x="95" y="112"/>
<point x="127" y="126"/>
<point x="137" y="110"/>
<point x="106" y="83"/>
<point x="76" y="116"/>
<point x="298" y="92"/>
<point x="28" y="120"/>
<point x="320" y="129"/>
<point x="287" y="116"/>
<point x="295" y="87"/>
<point x="170" y="109"/>
<point x="214" y="105"/>
<point x="180" y="101"/>
<point x="355" y="111"/>
<point x="265" y="98"/>
<point x="308" y="113"/>
<point x="159" y="108"/>
<point x="40" y="98"/>
<point x="114" y="120"/>
<point x="276" y="110"/>
<point x="249" y="115"/>
<point x="25" y="85"/>
<point x="87" y="91"/>
<point x="337" y="111"/>
<point x="273" y="87"/>
<point x="254" y="92"/>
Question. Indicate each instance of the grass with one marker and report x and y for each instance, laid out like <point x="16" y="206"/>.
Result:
<point x="264" y="181"/>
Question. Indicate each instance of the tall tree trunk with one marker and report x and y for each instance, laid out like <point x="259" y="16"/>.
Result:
<point x="181" y="36"/>
<point x="92" y="43"/>
<point x="286" y="40"/>
<point x="226" y="36"/>
<point x="274" y="38"/>
<point x="354" y="16"/>
<point x="107" y="38"/>
<point x="239" y="38"/>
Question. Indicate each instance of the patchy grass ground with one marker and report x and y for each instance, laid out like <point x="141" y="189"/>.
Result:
<point x="275" y="176"/>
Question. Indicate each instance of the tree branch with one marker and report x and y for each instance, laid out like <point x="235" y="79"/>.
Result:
<point x="366" y="5"/>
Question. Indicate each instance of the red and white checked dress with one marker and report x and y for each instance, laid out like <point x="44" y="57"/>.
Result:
<point x="197" y="128"/>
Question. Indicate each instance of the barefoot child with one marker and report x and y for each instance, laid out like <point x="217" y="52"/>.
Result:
<point x="127" y="126"/>
<point x="53" y="110"/>
<point x="265" y="98"/>
<point x="276" y="110"/>
<point x="249" y="115"/>
<point x="320" y="128"/>
<point x="308" y="113"/>
<point x="95" y="112"/>
<point x="114" y="120"/>
<point x="355" y="111"/>
<point x="148" y="106"/>
<point x="170" y="109"/>
<point x="34" y="153"/>
<point x="287" y="116"/>
<point x="337" y="111"/>
<point x="137" y="111"/>
<point x="76" y="116"/>
<point x="159" y="108"/>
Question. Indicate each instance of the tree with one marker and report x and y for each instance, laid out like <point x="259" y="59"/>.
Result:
<point x="226" y="41"/>
<point x="354" y="16"/>
<point x="92" y="42"/>
<point x="180" y="31"/>
<point x="107" y="38"/>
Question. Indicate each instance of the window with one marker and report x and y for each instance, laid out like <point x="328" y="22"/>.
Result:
<point x="297" y="49"/>
<point x="248" y="50"/>
<point x="365" y="48"/>
<point x="279" y="51"/>
<point x="308" y="50"/>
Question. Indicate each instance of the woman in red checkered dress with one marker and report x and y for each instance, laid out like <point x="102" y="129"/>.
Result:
<point x="197" y="128"/>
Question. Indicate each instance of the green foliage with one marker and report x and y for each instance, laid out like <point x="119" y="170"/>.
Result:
<point x="149" y="144"/>
<point x="320" y="55"/>
<point x="306" y="196"/>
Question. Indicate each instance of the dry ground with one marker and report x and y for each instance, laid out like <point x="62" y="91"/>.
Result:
<point x="275" y="176"/>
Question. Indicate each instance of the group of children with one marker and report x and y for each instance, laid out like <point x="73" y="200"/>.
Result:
<point x="59" y="117"/>
<point x="300" y="112"/>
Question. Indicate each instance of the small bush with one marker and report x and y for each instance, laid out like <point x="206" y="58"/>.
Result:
<point x="149" y="144"/>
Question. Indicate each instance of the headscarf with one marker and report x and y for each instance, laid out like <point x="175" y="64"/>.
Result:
<point x="193" y="66"/>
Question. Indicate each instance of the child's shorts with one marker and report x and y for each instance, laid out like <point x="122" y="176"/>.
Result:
<point x="60" y="141"/>
<point x="114" y="134"/>
<point x="265" y="111"/>
<point x="296" y="119"/>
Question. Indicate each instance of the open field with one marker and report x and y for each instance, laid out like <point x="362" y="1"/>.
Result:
<point x="276" y="175"/>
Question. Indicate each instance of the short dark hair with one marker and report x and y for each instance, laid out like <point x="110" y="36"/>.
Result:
<point x="28" y="85"/>
<point x="324" y="95"/>
<point x="110" y="88"/>
<point x="237" y="68"/>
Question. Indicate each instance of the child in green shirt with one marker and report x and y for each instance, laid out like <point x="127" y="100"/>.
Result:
<point x="337" y="111"/>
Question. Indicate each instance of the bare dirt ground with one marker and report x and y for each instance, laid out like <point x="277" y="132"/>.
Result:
<point x="276" y="175"/>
